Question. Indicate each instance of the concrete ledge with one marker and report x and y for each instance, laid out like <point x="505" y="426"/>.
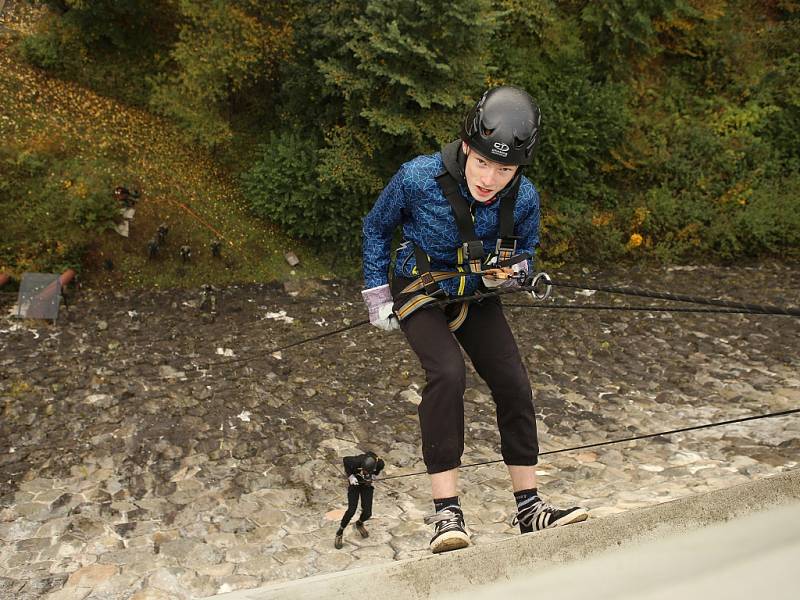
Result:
<point x="499" y="562"/>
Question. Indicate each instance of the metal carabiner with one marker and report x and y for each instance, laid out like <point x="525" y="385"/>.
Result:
<point x="521" y="277"/>
<point x="537" y="280"/>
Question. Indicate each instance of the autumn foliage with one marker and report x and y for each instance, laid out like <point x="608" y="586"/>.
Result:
<point x="671" y="129"/>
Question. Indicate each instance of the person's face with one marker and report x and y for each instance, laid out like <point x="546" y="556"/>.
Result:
<point x="485" y="177"/>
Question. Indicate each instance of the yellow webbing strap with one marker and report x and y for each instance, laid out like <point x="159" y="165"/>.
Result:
<point x="417" y="284"/>
<point x="459" y="318"/>
<point x="419" y="300"/>
<point x="415" y="302"/>
<point x="460" y="268"/>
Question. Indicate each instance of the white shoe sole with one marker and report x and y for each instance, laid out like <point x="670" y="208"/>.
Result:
<point x="576" y="516"/>
<point x="454" y="540"/>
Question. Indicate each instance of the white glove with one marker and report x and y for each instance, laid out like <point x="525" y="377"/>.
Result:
<point x="379" y="303"/>
<point x="352" y="479"/>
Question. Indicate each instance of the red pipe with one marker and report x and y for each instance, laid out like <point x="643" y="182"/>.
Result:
<point x="66" y="277"/>
<point x="4" y="279"/>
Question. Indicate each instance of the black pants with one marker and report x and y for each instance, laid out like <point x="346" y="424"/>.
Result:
<point x="354" y="492"/>
<point x="487" y="339"/>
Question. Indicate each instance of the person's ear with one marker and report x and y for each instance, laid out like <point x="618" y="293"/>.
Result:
<point x="465" y="148"/>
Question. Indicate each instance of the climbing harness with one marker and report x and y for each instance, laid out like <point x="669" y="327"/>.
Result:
<point x="471" y="256"/>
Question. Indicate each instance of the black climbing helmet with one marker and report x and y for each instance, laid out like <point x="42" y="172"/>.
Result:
<point x="503" y="126"/>
<point x="370" y="464"/>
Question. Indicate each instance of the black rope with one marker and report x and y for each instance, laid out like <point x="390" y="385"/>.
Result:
<point x="743" y="308"/>
<point x="621" y="440"/>
<point x="740" y="307"/>
<point x="764" y="309"/>
<point x="476" y="297"/>
<point x="734" y="308"/>
<point x="291" y="345"/>
<point x="678" y="309"/>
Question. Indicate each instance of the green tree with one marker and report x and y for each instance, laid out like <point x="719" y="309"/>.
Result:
<point x="117" y="23"/>
<point x="394" y="81"/>
<point x="224" y="49"/>
<point x="54" y="206"/>
<point x="111" y="46"/>
<point x="622" y="34"/>
<point x="584" y="117"/>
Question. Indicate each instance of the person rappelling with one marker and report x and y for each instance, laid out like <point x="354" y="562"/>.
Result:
<point x="470" y="223"/>
<point x="361" y="471"/>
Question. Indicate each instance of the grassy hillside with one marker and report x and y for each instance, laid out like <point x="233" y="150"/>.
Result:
<point x="76" y="141"/>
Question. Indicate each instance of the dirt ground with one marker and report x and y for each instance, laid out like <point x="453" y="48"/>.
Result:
<point x="147" y="381"/>
<point x="160" y="363"/>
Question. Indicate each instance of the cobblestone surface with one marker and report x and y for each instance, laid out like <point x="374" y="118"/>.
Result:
<point x="150" y="450"/>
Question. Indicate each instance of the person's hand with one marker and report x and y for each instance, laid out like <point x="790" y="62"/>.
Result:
<point x="379" y="303"/>
<point x="352" y="479"/>
<point x="500" y="277"/>
<point x="505" y="276"/>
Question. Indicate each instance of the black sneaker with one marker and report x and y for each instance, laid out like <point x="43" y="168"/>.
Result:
<point x="538" y="515"/>
<point x="361" y="529"/>
<point x="337" y="543"/>
<point x="450" y="532"/>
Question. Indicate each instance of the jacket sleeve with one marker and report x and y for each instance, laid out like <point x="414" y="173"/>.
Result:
<point x="378" y="229"/>
<point x="351" y="464"/>
<point x="527" y="225"/>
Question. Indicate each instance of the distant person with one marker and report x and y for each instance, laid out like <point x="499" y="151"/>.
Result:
<point x="470" y="223"/>
<point x="127" y="197"/>
<point x="360" y="471"/>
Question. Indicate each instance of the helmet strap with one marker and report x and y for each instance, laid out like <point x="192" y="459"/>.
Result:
<point x="461" y="160"/>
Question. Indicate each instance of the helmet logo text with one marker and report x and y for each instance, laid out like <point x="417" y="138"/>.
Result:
<point x="500" y="149"/>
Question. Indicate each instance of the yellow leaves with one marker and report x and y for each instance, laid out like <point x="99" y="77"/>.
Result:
<point x="493" y="81"/>
<point x="710" y="10"/>
<point x="628" y="164"/>
<point x="602" y="219"/>
<point x="559" y="249"/>
<point x="740" y="193"/>
<point x="733" y="120"/>
<point x="639" y="216"/>
<point x="690" y="233"/>
<point x="634" y="241"/>
<point x="81" y="190"/>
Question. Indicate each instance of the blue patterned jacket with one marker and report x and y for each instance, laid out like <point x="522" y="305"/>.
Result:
<point x="413" y="198"/>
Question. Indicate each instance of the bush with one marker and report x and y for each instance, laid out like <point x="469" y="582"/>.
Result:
<point x="280" y="188"/>
<point x="582" y="123"/>
<point x="572" y="229"/>
<point x="53" y="208"/>
<point x="290" y="184"/>
<point x="111" y="46"/>
<point x="91" y="205"/>
<point x="780" y="89"/>
<point x="46" y="49"/>
<point x="769" y="223"/>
